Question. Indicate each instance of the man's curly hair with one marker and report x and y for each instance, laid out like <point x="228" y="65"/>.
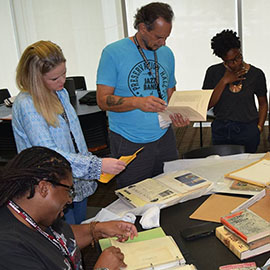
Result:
<point x="222" y="42"/>
<point x="148" y="14"/>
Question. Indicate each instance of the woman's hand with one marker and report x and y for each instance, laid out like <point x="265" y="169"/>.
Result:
<point x="112" y="165"/>
<point x="231" y="76"/>
<point x="111" y="258"/>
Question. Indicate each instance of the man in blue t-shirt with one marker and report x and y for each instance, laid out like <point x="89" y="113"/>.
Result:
<point x="135" y="81"/>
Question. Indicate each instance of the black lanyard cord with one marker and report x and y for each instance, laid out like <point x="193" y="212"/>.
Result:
<point x="64" y="115"/>
<point x="148" y="65"/>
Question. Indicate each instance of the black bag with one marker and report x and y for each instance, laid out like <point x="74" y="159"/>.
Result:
<point x="89" y="99"/>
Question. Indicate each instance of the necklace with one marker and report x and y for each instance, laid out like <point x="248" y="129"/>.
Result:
<point x="235" y="88"/>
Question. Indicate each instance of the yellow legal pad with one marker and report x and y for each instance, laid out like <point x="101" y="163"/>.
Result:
<point x="106" y="177"/>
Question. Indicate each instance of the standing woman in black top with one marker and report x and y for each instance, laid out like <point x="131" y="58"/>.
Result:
<point x="235" y="84"/>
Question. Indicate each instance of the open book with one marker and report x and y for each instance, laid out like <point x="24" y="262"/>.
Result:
<point x="256" y="173"/>
<point x="152" y="249"/>
<point x="158" y="253"/>
<point x="167" y="189"/>
<point x="191" y="104"/>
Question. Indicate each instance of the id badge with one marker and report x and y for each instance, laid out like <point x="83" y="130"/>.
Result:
<point x="163" y="123"/>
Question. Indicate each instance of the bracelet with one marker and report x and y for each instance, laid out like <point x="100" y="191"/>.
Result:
<point x="93" y="234"/>
<point x="260" y="128"/>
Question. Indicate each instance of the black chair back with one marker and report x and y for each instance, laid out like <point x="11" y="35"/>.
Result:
<point x="79" y="82"/>
<point x="7" y="142"/>
<point x="70" y="86"/>
<point x="4" y="93"/>
<point x="221" y="150"/>
<point x="95" y="131"/>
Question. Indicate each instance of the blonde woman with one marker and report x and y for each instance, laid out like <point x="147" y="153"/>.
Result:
<point x="43" y="116"/>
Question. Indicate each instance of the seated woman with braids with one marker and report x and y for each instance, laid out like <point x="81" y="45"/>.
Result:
<point x="42" y="115"/>
<point x="235" y="85"/>
<point x="35" y="187"/>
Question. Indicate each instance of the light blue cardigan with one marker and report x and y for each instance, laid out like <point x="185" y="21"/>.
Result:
<point x="31" y="129"/>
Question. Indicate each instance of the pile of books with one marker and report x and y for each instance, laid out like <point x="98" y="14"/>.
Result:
<point x="245" y="233"/>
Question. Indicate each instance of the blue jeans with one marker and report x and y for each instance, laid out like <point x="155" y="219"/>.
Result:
<point x="75" y="213"/>
<point x="232" y="132"/>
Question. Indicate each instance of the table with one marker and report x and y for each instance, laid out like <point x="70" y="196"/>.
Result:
<point x="5" y="112"/>
<point x="210" y="117"/>
<point x="206" y="253"/>
<point x="81" y="109"/>
<point x="92" y="119"/>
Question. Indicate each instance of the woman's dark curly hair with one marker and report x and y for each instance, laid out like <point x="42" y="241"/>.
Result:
<point x="25" y="170"/>
<point x="149" y="13"/>
<point x="222" y="42"/>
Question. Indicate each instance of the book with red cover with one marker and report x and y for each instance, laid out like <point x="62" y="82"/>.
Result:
<point x="239" y="266"/>
<point x="238" y="246"/>
<point x="247" y="225"/>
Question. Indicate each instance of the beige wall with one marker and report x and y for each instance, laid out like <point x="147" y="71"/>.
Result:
<point x="8" y="48"/>
<point x="82" y="28"/>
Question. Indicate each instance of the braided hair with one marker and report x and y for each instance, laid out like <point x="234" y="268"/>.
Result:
<point x="25" y="170"/>
<point x="223" y="42"/>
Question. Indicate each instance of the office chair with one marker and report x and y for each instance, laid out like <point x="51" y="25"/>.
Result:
<point x="79" y="82"/>
<point x="70" y="87"/>
<point x="7" y="142"/>
<point x="4" y="93"/>
<point x="268" y="121"/>
<point x="95" y="131"/>
<point x="221" y="150"/>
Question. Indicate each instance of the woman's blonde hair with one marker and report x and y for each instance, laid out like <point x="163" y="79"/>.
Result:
<point x="38" y="59"/>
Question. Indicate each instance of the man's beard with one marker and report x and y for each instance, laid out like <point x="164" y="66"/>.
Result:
<point x="147" y="46"/>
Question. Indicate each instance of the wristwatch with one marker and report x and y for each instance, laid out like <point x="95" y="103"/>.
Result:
<point x="102" y="268"/>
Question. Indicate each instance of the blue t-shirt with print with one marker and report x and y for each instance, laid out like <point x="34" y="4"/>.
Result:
<point x="122" y="67"/>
